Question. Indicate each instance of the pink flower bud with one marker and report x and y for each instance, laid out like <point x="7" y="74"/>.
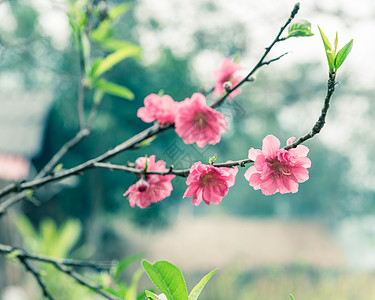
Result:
<point x="227" y="77"/>
<point x="142" y="185"/>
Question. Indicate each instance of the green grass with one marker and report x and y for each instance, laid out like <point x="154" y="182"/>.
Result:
<point x="304" y="283"/>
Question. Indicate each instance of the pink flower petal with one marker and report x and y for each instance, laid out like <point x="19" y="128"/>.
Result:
<point x="253" y="153"/>
<point x="269" y="187"/>
<point x="271" y="145"/>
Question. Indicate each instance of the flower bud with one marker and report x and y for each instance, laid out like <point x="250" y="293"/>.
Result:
<point x="142" y="185"/>
<point x="227" y="86"/>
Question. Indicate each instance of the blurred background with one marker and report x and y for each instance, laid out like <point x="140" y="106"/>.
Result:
<point x="318" y="243"/>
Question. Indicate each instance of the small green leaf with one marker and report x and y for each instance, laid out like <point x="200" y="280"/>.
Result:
<point x="123" y="264"/>
<point x="195" y="292"/>
<point x="102" y="32"/>
<point x="168" y="279"/>
<point x="29" y="193"/>
<point x="291" y="296"/>
<point x="300" y="28"/>
<point x="151" y="295"/>
<point x="147" y="142"/>
<point x="112" y="292"/>
<point x="114" y="89"/>
<point x="114" y="58"/>
<point x="328" y="50"/>
<point x="343" y="54"/>
<point x="58" y="168"/>
<point x="161" y="93"/>
<point x="113" y="45"/>
<point x="211" y="160"/>
<point x="117" y="11"/>
<point x="66" y="237"/>
<point x="335" y="44"/>
<point x="95" y="66"/>
<point x="131" y="293"/>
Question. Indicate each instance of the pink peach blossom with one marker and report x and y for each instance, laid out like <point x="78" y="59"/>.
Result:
<point x="278" y="170"/>
<point x="209" y="183"/>
<point x="152" y="188"/>
<point x="158" y="108"/>
<point x="198" y="123"/>
<point x="227" y="73"/>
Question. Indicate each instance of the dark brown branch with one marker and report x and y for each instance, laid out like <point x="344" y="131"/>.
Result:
<point x="128" y="144"/>
<point x="272" y="60"/>
<point x="321" y="121"/>
<point x="37" y="277"/>
<point x="182" y="173"/>
<point x="13" y="187"/>
<point x="82" y="281"/>
<point x="63" y="265"/>
<point x="96" y="265"/>
<point x="82" y="134"/>
<point x="261" y="61"/>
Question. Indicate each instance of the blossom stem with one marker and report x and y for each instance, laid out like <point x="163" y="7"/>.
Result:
<point x="261" y="61"/>
<point x="181" y="173"/>
<point x="322" y="118"/>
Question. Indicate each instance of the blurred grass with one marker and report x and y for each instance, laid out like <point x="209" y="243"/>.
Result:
<point x="305" y="283"/>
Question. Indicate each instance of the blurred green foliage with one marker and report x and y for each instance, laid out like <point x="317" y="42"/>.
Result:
<point x="301" y="281"/>
<point x="57" y="242"/>
<point x="61" y="242"/>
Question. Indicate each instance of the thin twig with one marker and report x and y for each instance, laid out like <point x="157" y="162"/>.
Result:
<point x="37" y="277"/>
<point x="63" y="265"/>
<point x="96" y="265"/>
<point x="82" y="281"/>
<point x="322" y="118"/>
<point x="274" y="59"/>
<point x="128" y="144"/>
<point x="182" y="172"/>
<point x="260" y="62"/>
<point x="82" y="134"/>
<point x="13" y="187"/>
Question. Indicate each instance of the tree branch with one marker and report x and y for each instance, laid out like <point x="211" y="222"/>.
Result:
<point x="181" y="173"/>
<point x="37" y="277"/>
<point x="96" y="265"/>
<point x="321" y="121"/>
<point x="260" y="62"/>
<point x="63" y="265"/>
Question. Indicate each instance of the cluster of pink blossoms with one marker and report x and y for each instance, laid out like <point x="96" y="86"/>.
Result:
<point x="278" y="170"/>
<point x="274" y="169"/>
<point x="194" y="120"/>
<point x="152" y="188"/>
